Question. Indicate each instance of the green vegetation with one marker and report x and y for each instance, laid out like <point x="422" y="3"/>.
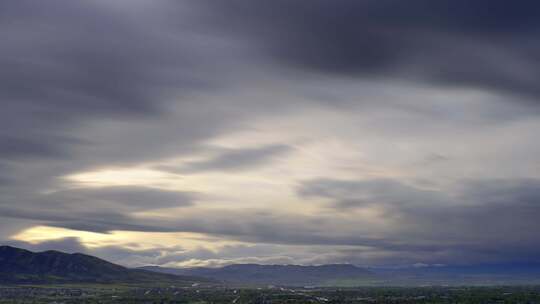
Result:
<point x="105" y="294"/>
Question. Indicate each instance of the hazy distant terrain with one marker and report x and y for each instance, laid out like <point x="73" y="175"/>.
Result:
<point x="283" y="275"/>
<point x="22" y="266"/>
<point x="480" y="275"/>
<point x="350" y="275"/>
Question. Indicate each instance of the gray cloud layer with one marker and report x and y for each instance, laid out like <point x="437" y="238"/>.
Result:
<point x="485" y="44"/>
<point x="234" y="159"/>
<point x="95" y="84"/>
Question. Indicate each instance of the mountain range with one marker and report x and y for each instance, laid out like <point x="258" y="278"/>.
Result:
<point x="350" y="275"/>
<point x="19" y="266"/>
<point x="478" y="274"/>
<point x="289" y="275"/>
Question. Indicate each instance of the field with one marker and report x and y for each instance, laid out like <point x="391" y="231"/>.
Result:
<point x="171" y="294"/>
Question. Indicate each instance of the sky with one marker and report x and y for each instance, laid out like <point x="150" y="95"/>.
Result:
<point x="205" y="133"/>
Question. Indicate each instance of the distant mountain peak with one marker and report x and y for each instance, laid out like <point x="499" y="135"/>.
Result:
<point x="292" y="275"/>
<point x="23" y="266"/>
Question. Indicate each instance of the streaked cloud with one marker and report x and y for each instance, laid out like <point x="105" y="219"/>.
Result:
<point x="232" y="160"/>
<point x="370" y="132"/>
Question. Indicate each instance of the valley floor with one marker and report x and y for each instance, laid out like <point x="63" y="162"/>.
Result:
<point x="272" y="295"/>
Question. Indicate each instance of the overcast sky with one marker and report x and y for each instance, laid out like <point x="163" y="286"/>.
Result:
<point x="207" y="132"/>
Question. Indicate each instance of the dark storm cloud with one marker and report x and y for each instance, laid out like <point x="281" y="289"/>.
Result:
<point x="424" y="222"/>
<point x="96" y="209"/>
<point x="5" y="175"/>
<point x="504" y="191"/>
<point x="21" y="148"/>
<point x="347" y="194"/>
<point x="481" y="219"/>
<point x="68" y="68"/>
<point x="234" y="159"/>
<point x="491" y="192"/>
<point x="96" y="221"/>
<point x="76" y="58"/>
<point x="64" y="63"/>
<point x="94" y="84"/>
<point x="479" y="223"/>
<point x="484" y="44"/>
<point x="129" y="198"/>
<point x="103" y="199"/>
<point x="275" y="228"/>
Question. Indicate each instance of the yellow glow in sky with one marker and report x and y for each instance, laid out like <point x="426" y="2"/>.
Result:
<point x="122" y="177"/>
<point x="127" y="239"/>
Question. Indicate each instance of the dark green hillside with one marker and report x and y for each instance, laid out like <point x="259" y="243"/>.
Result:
<point x="23" y="266"/>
